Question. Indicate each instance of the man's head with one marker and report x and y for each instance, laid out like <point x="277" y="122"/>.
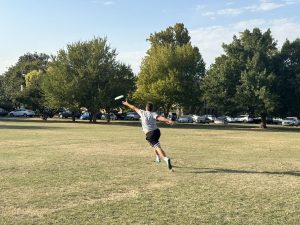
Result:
<point x="149" y="106"/>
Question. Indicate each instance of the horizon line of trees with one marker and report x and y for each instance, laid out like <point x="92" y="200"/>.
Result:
<point x="252" y="76"/>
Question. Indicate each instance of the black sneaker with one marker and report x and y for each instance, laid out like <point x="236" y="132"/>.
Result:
<point x="169" y="164"/>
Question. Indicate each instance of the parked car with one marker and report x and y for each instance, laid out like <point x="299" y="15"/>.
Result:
<point x="200" y="119"/>
<point x="3" y="112"/>
<point x="211" y="117"/>
<point x="172" y="116"/>
<point x="22" y="112"/>
<point x="269" y="120"/>
<point x="290" y="121"/>
<point x="230" y="119"/>
<point x="105" y="116"/>
<point x="244" y="119"/>
<point x="47" y="113"/>
<point x="132" y="116"/>
<point x="277" y="120"/>
<point x="66" y="113"/>
<point x="85" y="116"/>
<point x="185" y="119"/>
<point x="221" y="120"/>
<point x="120" y="116"/>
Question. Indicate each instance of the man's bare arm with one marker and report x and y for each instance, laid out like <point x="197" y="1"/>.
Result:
<point x="132" y="107"/>
<point x="164" y="120"/>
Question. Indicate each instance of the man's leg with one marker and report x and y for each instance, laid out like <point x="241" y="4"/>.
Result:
<point x="163" y="155"/>
<point x="157" y="157"/>
<point x="159" y="151"/>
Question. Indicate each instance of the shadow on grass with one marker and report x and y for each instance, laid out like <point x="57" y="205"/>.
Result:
<point x="236" y="127"/>
<point x="233" y="171"/>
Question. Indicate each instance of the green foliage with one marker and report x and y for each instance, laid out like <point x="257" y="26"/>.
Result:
<point x="174" y="36"/>
<point x="2" y="95"/>
<point x="14" y="76"/>
<point x="121" y="81"/>
<point x="86" y="74"/>
<point x="33" y="78"/>
<point x="218" y="85"/>
<point x="171" y="71"/>
<point x="32" y="95"/>
<point x="288" y="69"/>
<point x="254" y="92"/>
<point x="243" y="79"/>
<point x="13" y="79"/>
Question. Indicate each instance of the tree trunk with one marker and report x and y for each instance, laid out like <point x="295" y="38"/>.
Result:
<point x="45" y="115"/>
<point x="263" y="123"/>
<point x="91" y="117"/>
<point x="73" y="116"/>
<point x="94" y="117"/>
<point x="108" y="115"/>
<point x="167" y="110"/>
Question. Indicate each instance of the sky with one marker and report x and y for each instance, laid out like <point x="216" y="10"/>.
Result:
<point x="46" y="26"/>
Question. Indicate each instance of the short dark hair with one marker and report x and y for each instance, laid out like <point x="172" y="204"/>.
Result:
<point x="149" y="106"/>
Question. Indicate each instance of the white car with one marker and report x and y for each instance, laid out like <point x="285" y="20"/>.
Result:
<point x="290" y="121"/>
<point x="111" y="115"/>
<point x="211" y="117"/>
<point x="132" y="116"/>
<point x="21" y="112"/>
<point x="230" y="119"/>
<point x="200" y="119"/>
<point x="185" y="119"/>
<point x="221" y="120"/>
<point x="244" y="119"/>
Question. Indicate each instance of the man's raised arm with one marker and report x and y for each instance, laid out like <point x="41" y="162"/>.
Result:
<point x="132" y="107"/>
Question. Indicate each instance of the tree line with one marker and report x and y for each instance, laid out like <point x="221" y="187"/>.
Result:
<point x="252" y="76"/>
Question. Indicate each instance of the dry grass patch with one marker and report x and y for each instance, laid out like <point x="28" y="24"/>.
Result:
<point x="65" y="173"/>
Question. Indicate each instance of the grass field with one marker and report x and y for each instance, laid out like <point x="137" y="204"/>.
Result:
<point x="78" y="173"/>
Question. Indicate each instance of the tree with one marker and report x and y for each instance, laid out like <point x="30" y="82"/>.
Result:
<point x="121" y="81"/>
<point x="14" y="77"/>
<point x="2" y="96"/>
<point x="61" y="85"/>
<point x="32" y="95"/>
<point x="219" y="85"/>
<point x="243" y="79"/>
<point x="174" y="36"/>
<point x="86" y="74"/>
<point x="170" y="73"/>
<point x="288" y="85"/>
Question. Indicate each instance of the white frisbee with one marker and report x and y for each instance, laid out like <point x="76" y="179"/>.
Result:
<point x="119" y="97"/>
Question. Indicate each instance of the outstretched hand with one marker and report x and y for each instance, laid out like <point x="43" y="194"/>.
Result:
<point x="125" y="103"/>
<point x="171" y="122"/>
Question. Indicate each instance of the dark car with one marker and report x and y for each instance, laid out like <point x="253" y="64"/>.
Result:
<point x="65" y="113"/>
<point x="120" y="116"/>
<point x="132" y="116"/>
<point x="172" y="116"/>
<point x="48" y="113"/>
<point x="89" y="116"/>
<point x="3" y="112"/>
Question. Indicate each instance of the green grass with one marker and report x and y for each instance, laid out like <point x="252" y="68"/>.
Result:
<point x="78" y="173"/>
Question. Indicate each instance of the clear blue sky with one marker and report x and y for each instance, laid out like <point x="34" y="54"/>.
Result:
<point x="47" y="26"/>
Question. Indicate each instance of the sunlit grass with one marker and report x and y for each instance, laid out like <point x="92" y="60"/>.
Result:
<point x="80" y="173"/>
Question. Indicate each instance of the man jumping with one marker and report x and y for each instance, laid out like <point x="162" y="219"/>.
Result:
<point x="148" y="119"/>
